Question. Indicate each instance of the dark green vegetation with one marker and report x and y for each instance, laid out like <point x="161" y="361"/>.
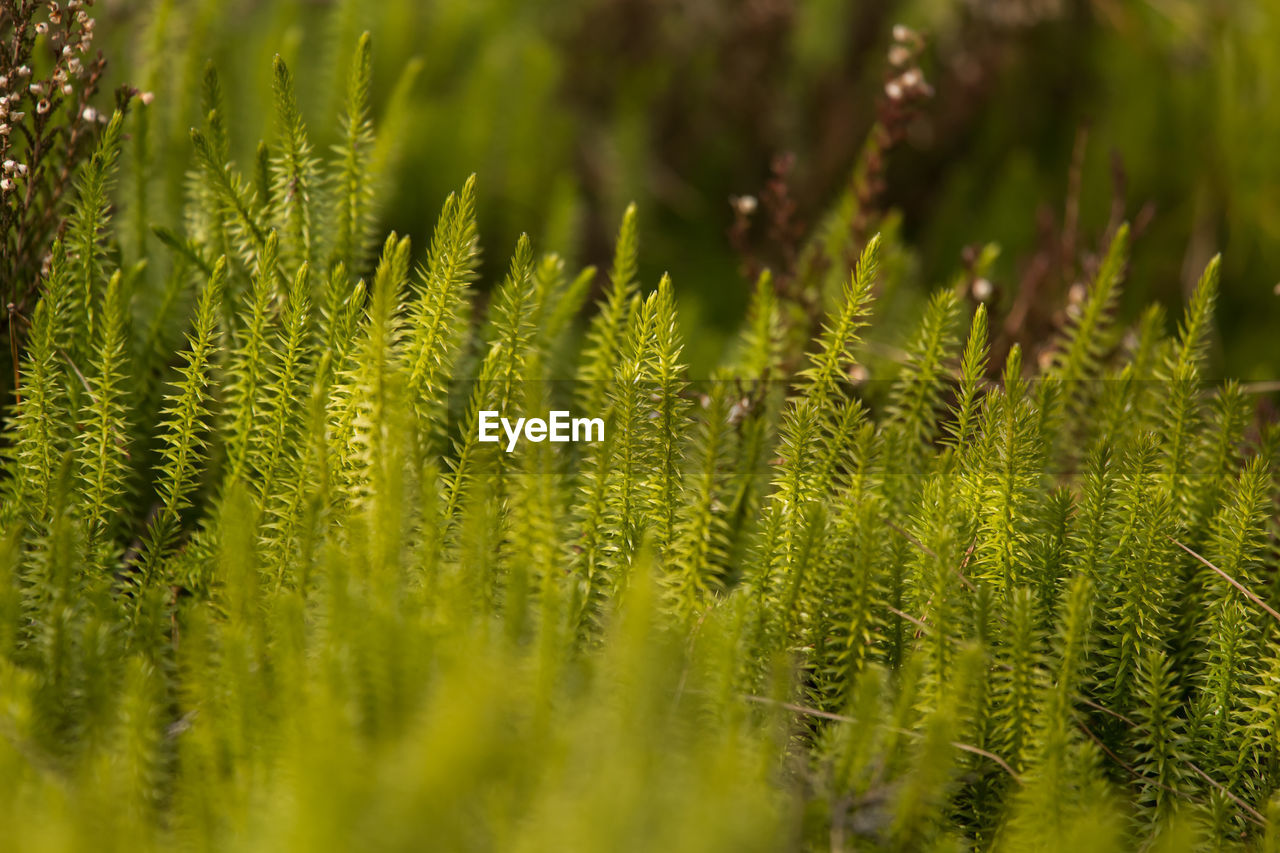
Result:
<point x="570" y="109"/>
<point x="260" y="587"/>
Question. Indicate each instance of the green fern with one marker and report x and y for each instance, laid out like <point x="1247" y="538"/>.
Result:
<point x="185" y="419"/>
<point x="104" y="453"/>
<point x="266" y="586"/>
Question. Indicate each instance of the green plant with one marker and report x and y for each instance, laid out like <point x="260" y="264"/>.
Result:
<point x="266" y="586"/>
<point x="48" y="79"/>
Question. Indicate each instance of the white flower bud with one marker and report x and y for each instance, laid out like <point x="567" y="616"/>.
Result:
<point x="67" y="88"/>
<point x="983" y="290"/>
<point x="6" y="184"/>
<point x="42" y="28"/>
<point x="89" y="114"/>
<point x="43" y="106"/>
<point x="893" y="89"/>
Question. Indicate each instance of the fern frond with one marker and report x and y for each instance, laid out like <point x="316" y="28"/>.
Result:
<point x="1144" y="571"/>
<point x="700" y="546"/>
<point x="1072" y="644"/>
<point x="86" y="226"/>
<point x="282" y="420"/>
<point x="352" y="187"/>
<point x="1088" y="336"/>
<point x="607" y="333"/>
<point x="185" y="418"/>
<point x="630" y="503"/>
<point x="760" y="346"/>
<point x="596" y="540"/>
<point x="915" y="400"/>
<point x="394" y="123"/>
<point x="249" y="364"/>
<point x="293" y="175"/>
<point x="236" y="204"/>
<point x="1017" y="681"/>
<point x="1219" y="452"/>
<point x="45" y="405"/>
<point x="372" y="386"/>
<point x="187" y="247"/>
<point x="669" y="424"/>
<point x="501" y="372"/>
<point x="1234" y="629"/>
<point x="561" y="306"/>
<point x="973" y="367"/>
<point x="436" y="322"/>
<point x="104" y="444"/>
<point x="1160" y="743"/>
<point x="1013" y="452"/>
<point x="830" y="364"/>
<point x="1193" y="332"/>
<point x="340" y="313"/>
<point x="1096" y="509"/>
<point x="847" y="638"/>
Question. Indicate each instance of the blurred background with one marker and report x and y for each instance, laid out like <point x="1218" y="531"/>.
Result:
<point x="1045" y="123"/>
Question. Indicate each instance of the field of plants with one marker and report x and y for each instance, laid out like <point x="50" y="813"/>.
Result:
<point x="936" y="498"/>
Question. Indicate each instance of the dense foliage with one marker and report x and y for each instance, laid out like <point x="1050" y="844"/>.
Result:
<point x="1051" y="120"/>
<point x="262" y="587"/>
<point x="49" y="75"/>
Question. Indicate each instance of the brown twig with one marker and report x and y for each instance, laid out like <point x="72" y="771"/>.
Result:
<point x="926" y="549"/>
<point x="913" y="620"/>
<point x="1260" y="387"/>
<point x="841" y="718"/>
<point x="1248" y="593"/>
<point x="1254" y="815"/>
